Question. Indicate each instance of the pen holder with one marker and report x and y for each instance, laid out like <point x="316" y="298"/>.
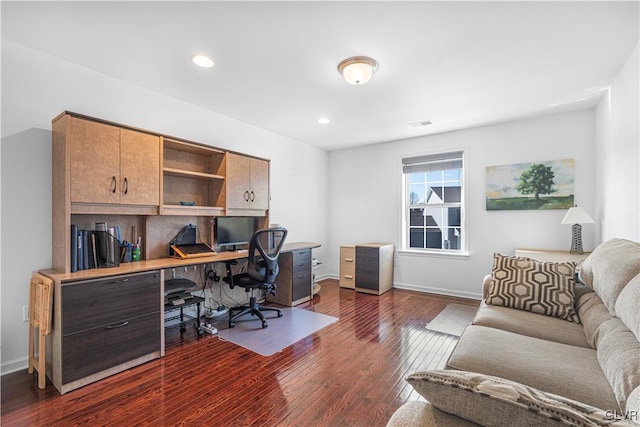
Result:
<point x="135" y="254"/>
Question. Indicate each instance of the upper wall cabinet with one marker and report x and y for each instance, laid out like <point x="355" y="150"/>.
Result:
<point x="111" y="165"/>
<point x="193" y="179"/>
<point x="247" y="185"/>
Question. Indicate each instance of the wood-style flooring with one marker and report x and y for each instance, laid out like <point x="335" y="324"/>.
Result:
<point x="350" y="373"/>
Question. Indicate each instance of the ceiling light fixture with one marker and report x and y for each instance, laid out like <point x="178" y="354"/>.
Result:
<point x="323" y="121"/>
<point x="357" y="70"/>
<point x="202" y="61"/>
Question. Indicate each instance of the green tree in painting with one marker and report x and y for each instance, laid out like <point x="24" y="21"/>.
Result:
<point x="538" y="179"/>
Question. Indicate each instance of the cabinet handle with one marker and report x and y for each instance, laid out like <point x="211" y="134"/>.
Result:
<point x="348" y="260"/>
<point x="348" y="276"/>
<point x="119" y="325"/>
<point x="126" y="186"/>
<point x="246" y="196"/>
<point x="115" y="184"/>
<point x="253" y="196"/>
<point x="120" y="281"/>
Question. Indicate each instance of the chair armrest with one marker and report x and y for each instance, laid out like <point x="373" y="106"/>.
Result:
<point x="486" y="285"/>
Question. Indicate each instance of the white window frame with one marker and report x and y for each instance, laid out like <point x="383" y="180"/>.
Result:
<point x="404" y="244"/>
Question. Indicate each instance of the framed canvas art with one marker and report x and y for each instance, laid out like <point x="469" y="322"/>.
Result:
<point x="523" y="186"/>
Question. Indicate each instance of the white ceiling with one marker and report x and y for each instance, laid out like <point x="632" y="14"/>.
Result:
<point x="457" y="64"/>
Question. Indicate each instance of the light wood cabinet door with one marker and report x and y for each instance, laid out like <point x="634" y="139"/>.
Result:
<point x="113" y="165"/>
<point x="238" y="181"/>
<point x="259" y="192"/>
<point x="139" y="168"/>
<point x="247" y="183"/>
<point x="94" y="162"/>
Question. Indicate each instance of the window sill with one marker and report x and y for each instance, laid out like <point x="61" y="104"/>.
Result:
<point x="436" y="254"/>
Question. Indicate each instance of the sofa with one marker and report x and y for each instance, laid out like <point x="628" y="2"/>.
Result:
<point x="551" y="343"/>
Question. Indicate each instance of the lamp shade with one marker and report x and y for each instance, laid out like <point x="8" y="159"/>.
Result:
<point x="577" y="215"/>
<point x="357" y="70"/>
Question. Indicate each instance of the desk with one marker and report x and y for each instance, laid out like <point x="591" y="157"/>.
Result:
<point x="163" y="263"/>
<point x="114" y="310"/>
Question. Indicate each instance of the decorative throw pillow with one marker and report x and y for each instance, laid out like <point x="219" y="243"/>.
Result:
<point x="540" y="287"/>
<point x="494" y="401"/>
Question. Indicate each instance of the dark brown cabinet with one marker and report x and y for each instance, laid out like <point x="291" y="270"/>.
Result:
<point x="374" y="268"/>
<point x="106" y="325"/>
<point x="294" y="282"/>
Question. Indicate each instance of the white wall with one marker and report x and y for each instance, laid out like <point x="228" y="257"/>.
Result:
<point x="37" y="87"/>
<point x="365" y="197"/>
<point x="617" y="171"/>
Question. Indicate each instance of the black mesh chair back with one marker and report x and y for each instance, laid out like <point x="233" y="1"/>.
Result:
<point x="268" y="243"/>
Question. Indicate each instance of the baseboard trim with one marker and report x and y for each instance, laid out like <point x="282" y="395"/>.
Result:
<point x="14" y="365"/>
<point x="439" y="291"/>
<point x="419" y="288"/>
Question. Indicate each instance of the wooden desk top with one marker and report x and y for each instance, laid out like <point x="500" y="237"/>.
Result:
<point x="162" y="263"/>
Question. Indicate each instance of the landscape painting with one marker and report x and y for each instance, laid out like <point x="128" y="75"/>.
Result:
<point x="543" y="185"/>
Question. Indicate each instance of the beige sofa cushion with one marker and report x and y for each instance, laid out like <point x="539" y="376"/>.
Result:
<point x="493" y="401"/>
<point x="570" y="371"/>
<point x="417" y="413"/>
<point x="540" y="287"/>
<point x="593" y="314"/>
<point x="531" y="324"/>
<point x="627" y="308"/>
<point x="619" y="356"/>
<point x="609" y="268"/>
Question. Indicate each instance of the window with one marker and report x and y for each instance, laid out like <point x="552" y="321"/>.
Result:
<point x="434" y="202"/>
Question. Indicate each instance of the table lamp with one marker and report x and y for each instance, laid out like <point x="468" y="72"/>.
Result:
<point x="576" y="216"/>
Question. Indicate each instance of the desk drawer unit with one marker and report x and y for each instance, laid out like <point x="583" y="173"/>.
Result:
<point x="374" y="268"/>
<point x="106" y="325"/>
<point x="93" y="303"/>
<point x="348" y="266"/>
<point x="104" y="347"/>
<point x="301" y="281"/>
<point x="294" y="281"/>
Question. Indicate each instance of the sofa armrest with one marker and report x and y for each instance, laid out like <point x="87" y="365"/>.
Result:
<point x="486" y="285"/>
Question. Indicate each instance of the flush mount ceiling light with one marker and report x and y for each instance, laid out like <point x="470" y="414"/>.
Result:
<point x="202" y="61"/>
<point x="323" y="121"/>
<point x="358" y="69"/>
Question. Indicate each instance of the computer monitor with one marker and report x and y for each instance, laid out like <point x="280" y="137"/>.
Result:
<point x="231" y="231"/>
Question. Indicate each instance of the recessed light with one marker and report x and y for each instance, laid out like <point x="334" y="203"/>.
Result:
<point x="323" y="121"/>
<point x="202" y="61"/>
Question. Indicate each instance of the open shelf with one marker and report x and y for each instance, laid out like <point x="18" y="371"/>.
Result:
<point x="190" y="174"/>
<point x="192" y="210"/>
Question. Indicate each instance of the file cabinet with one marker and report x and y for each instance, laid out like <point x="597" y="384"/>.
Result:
<point x="294" y="282"/>
<point x="374" y="268"/>
<point x="104" y="326"/>
<point x="348" y="266"/>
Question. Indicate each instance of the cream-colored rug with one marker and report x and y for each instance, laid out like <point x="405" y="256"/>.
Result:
<point x="453" y="319"/>
<point x="294" y="325"/>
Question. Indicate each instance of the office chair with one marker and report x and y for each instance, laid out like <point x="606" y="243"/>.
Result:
<point x="261" y="273"/>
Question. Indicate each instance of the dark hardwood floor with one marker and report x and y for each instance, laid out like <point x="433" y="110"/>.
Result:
<point x="350" y="373"/>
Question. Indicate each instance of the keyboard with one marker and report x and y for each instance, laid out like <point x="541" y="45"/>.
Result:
<point x="173" y="286"/>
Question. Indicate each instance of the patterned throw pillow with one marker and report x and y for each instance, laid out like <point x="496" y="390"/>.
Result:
<point x="494" y="401"/>
<point x="540" y="287"/>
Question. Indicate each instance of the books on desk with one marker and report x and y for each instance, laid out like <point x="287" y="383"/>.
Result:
<point x="93" y="249"/>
